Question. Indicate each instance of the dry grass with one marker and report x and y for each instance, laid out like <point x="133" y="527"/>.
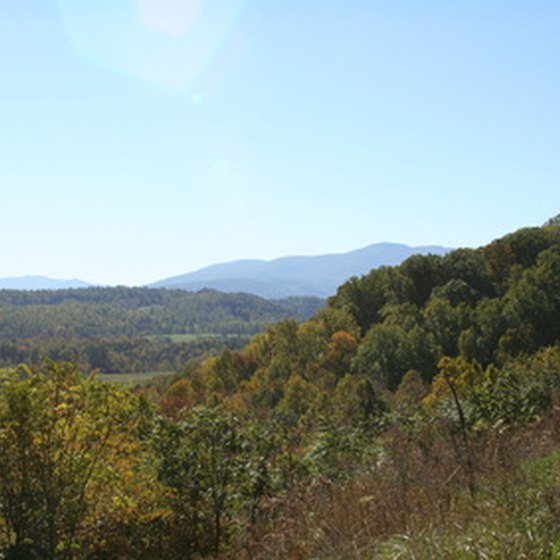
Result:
<point x="417" y="504"/>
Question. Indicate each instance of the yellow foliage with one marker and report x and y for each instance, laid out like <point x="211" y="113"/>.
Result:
<point x="460" y="372"/>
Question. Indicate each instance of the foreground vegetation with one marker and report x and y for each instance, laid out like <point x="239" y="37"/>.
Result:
<point x="416" y="416"/>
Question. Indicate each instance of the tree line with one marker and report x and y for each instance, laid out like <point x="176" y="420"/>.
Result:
<point x="121" y="311"/>
<point x="128" y="329"/>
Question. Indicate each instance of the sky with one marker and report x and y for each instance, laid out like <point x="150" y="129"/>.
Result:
<point x="141" y="139"/>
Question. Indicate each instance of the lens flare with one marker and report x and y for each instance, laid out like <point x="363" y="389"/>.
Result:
<point x="169" y="44"/>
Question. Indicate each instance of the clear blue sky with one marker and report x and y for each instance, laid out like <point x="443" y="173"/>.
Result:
<point x="146" y="138"/>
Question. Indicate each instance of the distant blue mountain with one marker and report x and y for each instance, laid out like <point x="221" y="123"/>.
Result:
<point x="296" y="275"/>
<point x="39" y="283"/>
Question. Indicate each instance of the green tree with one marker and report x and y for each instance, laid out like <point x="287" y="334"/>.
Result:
<point x="201" y="459"/>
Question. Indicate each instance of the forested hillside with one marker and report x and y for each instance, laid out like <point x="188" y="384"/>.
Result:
<point x="133" y="329"/>
<point x="140" y="311"/>
<point x="483" y="306"/>
<point x="487" y="305"/>
<point x="417" y="415"/>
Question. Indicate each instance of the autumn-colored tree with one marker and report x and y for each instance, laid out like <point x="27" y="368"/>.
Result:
<point x="71" y="460"/>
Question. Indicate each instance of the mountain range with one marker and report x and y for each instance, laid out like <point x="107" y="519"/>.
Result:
<point x="279" y="278"/>
<point x="40" y="283"/>
<point x="296" y="275"/>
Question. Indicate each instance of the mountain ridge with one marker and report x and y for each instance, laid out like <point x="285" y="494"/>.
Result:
<point x="286" y="276"/>
<point x="39" y="282"/>
<point x="296" y="275"/>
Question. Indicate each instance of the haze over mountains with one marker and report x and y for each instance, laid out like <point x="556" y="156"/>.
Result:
<point x="296" y="275"/>
<point x="283" y="277"/>
<point x="37" y="282"/>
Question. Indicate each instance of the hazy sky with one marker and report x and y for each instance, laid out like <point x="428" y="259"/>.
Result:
<point x="146" y="138"/>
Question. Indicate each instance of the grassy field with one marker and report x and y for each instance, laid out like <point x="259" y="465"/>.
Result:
<point x="189" y="337"/>
<point x="132" y="378"/>
<point x="183" y="337"/>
